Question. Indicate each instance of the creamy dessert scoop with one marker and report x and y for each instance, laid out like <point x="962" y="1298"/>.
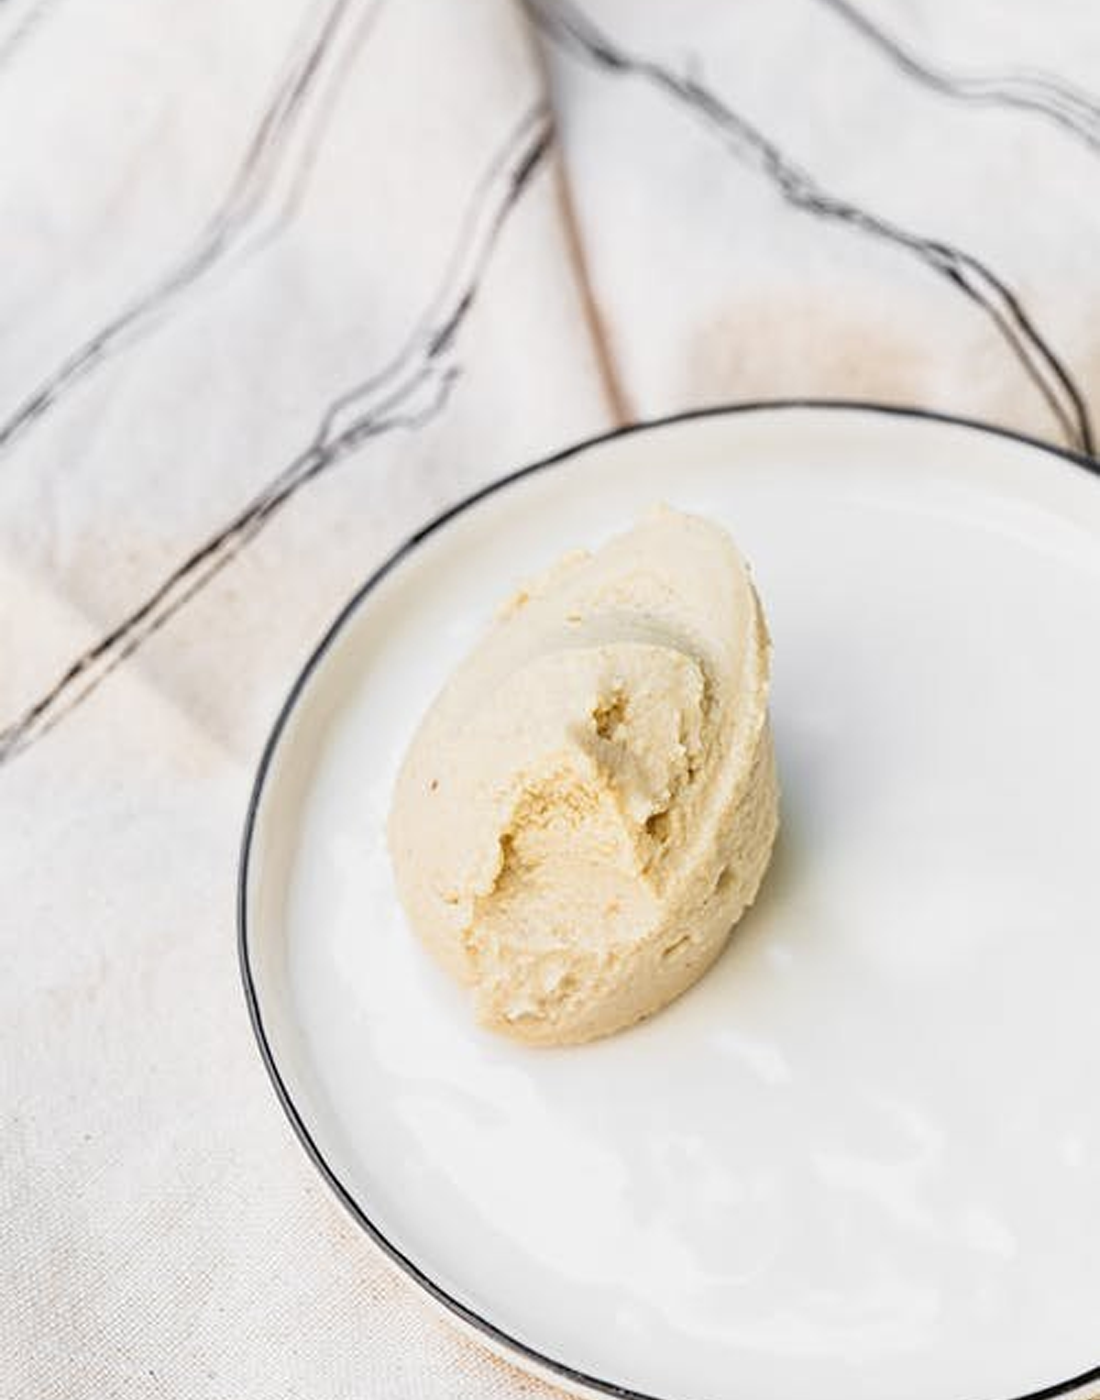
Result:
<point x="590" y="804"/>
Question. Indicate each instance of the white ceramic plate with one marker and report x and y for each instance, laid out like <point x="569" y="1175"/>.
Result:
<point x="862" y="1158"/>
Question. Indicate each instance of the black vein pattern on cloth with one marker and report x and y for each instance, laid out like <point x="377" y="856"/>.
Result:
<point x="263" y="195"/>
<point x="567" y="26"/>
<point x="1030" y="91"/>
<point x="407" y="392"/>
<point x="21" y="27"/>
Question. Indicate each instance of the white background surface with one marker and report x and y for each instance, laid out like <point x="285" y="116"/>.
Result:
<point x="161" y="1233"/>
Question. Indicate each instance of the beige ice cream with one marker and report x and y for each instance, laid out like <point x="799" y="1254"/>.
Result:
<point x="590" y="803"/>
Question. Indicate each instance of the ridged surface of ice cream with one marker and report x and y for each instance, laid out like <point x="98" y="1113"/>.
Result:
<point x="591" y="802"/>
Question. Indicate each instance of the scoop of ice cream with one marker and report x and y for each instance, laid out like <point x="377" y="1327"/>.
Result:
<point x="590" y="804"/>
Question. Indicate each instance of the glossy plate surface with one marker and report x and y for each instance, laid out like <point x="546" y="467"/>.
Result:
<point x="862" y="1158"/>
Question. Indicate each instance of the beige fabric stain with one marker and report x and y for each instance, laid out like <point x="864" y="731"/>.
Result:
<point x="802" y="344"/>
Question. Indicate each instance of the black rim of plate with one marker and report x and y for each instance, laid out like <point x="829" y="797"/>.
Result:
<point x="495" y="1336"/>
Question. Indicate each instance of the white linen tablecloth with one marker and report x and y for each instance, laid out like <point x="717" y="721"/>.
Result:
<point x="281" y="279"/>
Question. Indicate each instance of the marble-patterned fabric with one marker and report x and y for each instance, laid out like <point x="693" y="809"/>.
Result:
<point x="281" y="280"/>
